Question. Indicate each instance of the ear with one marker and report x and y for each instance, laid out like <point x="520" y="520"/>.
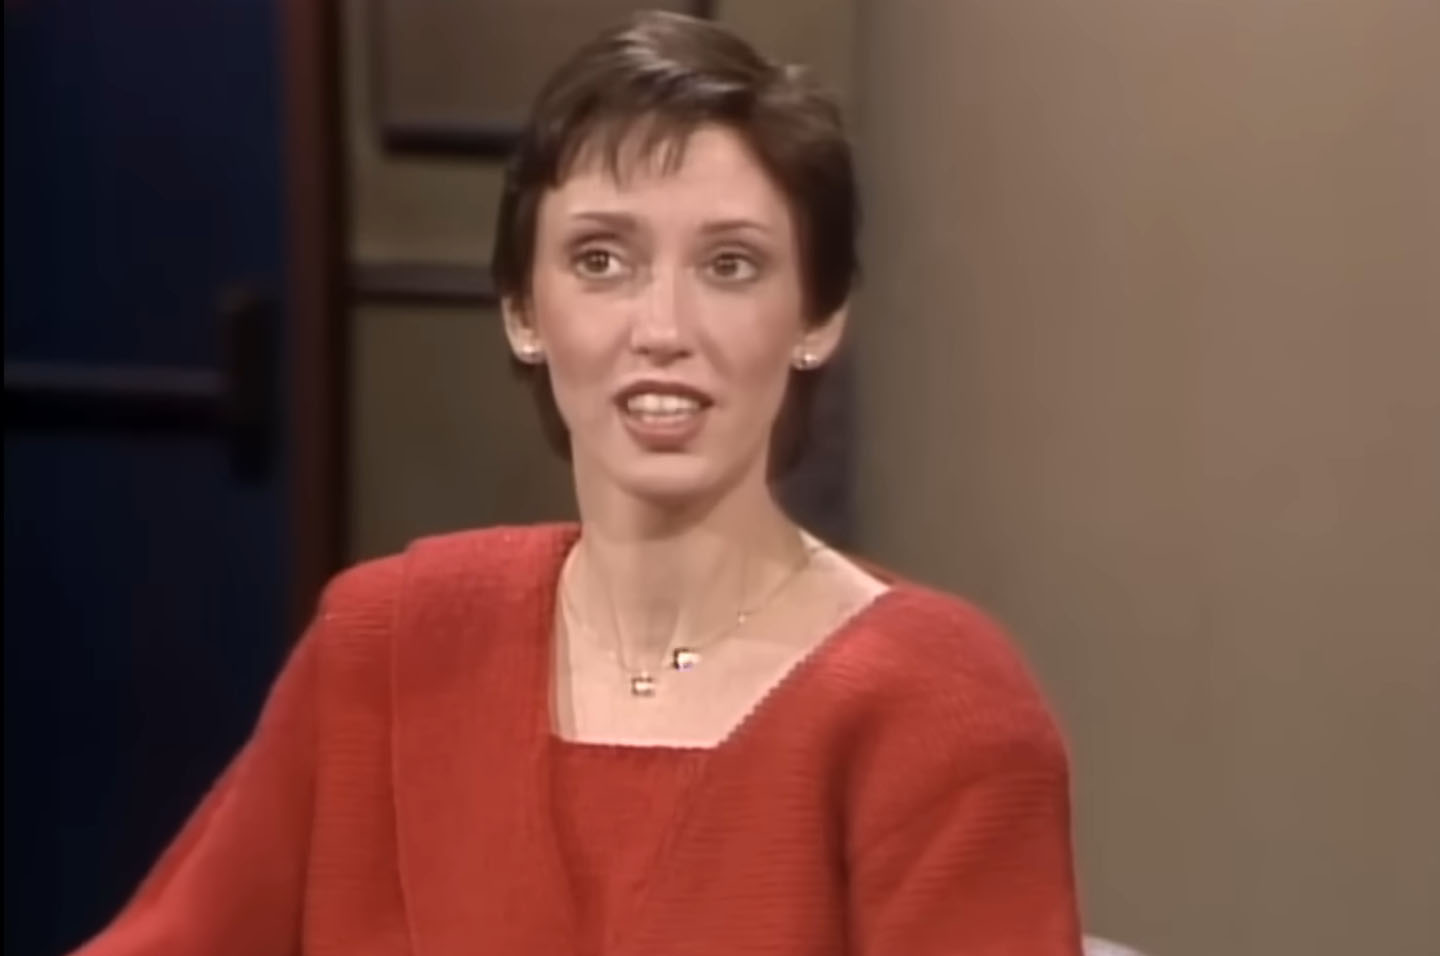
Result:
<point x="819" y="343"/>
<point x="520" y="331"/>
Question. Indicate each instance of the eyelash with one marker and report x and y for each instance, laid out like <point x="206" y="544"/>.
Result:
<point x="746" y="259"/>
<point x="578" y="261"/>
<point x="754" y="262"/>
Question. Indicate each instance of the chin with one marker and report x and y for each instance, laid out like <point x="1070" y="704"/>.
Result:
<point x="696" y="476"/>
<point x="672" y="480"/>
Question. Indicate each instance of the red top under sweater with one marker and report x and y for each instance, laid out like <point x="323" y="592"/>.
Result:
<point x="903" y="792"/>
<point x="610" y="804"/>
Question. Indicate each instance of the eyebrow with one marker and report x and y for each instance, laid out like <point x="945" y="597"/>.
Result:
<point x="617" y="221"/>
<point x="625" y="223"/>
<point x="735" y="225"/>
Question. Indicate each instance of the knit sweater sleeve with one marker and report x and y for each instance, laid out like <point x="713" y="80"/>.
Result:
<point x="960" y="841"/>
<point x="232" y="880"/>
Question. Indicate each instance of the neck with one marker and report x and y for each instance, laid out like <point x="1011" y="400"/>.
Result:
<point x="649" y="576"/>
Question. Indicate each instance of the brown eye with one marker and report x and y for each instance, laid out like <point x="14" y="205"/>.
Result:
<point x="733" y="267"/>
<point x="595" y="263"/>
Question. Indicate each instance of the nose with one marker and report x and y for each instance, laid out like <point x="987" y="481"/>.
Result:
<point x="660" y="330"/>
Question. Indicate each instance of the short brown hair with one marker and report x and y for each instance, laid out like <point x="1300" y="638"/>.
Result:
<point x="660" y="76"/>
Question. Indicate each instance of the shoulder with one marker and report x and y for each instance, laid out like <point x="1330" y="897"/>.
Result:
<point x="933" y="656"/>
<point x="516" y="550"/>
<point x="501" y="546"/>
<point x="944" y="699"/>
<point x="421" y="611"/>
<point x="441" y="568"/>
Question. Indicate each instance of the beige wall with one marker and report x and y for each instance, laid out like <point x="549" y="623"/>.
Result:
<point x="1150" y="364"/>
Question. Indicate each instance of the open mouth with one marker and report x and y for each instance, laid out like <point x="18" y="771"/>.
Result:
<point x="663" y="414"/>
<point x="660" y="408"/>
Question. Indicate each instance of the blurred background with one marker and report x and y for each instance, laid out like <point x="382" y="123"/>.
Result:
<point x="1147" y="361"/>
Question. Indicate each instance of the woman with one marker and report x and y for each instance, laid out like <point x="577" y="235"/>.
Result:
<point x="684" y="726"/>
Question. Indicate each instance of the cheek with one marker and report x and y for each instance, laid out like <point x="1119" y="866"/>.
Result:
<point x="579" y="350"/>
<point x="763" y="375"/>
<point x="759" y="343"/>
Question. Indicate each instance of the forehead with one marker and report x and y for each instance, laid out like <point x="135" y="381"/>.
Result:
<point x="711" y="174"/>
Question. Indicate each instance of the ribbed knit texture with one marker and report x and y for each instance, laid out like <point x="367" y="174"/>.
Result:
<point x="607" y="803"/>
<point x="903" y="792"/>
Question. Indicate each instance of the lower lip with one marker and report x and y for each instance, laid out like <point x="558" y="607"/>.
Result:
<point x="663" y="434"/>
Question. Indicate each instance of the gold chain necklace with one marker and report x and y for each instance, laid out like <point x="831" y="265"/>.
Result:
<point x="643" y="683"/>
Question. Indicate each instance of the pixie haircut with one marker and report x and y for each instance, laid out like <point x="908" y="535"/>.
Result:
<point x="636" y="93"/>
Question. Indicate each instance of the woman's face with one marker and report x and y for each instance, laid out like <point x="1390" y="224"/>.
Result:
<point x="668" y="305"/>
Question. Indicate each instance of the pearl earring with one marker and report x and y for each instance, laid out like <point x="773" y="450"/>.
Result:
<point x="531" y="353"/>
<point x="806" y="361"/>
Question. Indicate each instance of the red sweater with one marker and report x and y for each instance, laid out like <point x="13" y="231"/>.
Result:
<point x="903" y="792"/>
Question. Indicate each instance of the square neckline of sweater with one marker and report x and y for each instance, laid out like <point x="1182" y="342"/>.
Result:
<point x="756" y="713"/>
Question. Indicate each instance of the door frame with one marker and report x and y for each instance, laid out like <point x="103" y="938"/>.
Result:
<point x="316" y="329"/>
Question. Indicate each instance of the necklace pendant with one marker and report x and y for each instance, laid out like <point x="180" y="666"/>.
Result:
<point x="682" y="659"/>
<point x="642" y="685"/>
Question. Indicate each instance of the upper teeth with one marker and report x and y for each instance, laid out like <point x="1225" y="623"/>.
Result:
<point x="651" y="403"/>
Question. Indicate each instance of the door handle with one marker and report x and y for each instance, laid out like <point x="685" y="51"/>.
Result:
<point x="236" y="402"/>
